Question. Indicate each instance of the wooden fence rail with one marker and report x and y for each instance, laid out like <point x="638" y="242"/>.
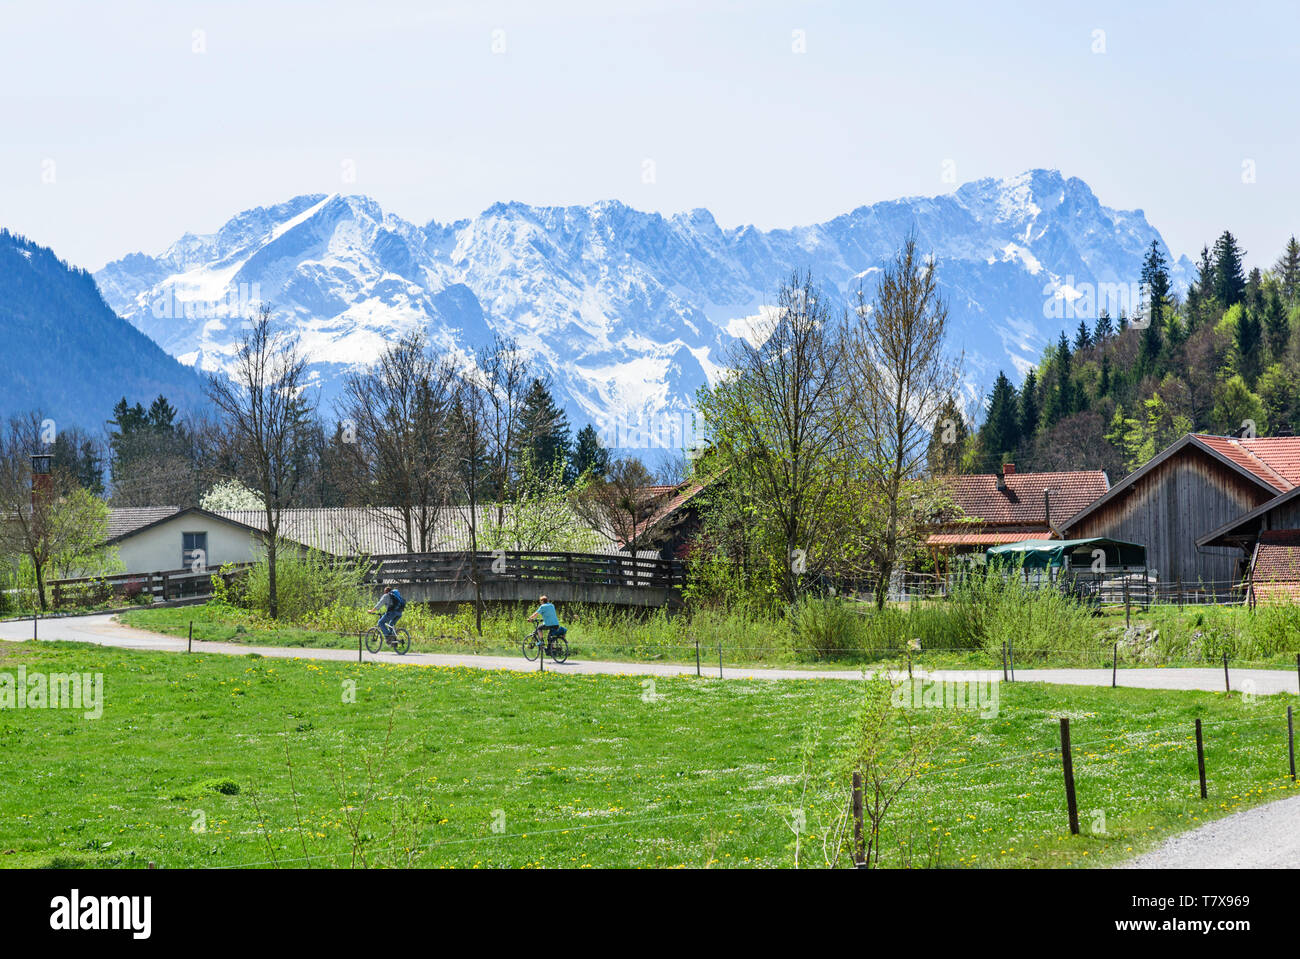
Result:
<point x="431" y="569"/>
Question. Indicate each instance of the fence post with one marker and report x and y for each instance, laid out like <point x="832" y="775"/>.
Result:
<point x="1290" y="742"/>
<point x="719" y="659"/>
<point x="697" y="656"/>
<point x="1200" y="757"/>
<point x="1227" y="686"/>
<point x="1011" y="660"/>
<point x="189" y="639"/>
<point x="1114" y="666"/>
<point x="1127" y="607"/>
<point x="1067" y="763"/>
<point x="359" y="635"/>
<point x="859" y="852"/>
<point x="1004" y="662"/>
<point x="1297" y="668"/>
<point x="35" y="616"/>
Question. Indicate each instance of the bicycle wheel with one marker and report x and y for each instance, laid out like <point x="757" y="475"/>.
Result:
<point x="559" y="649"/>
<point x="531" y="648"/>
<point x="403" y="642"/>
<point x="374" y="639"/>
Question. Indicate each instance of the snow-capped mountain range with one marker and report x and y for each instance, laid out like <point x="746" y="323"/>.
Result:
<point x="628" y="312"/>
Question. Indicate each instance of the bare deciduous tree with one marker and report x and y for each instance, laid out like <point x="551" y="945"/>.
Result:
<point x="399" y="412"/>
<point x="901" y="379"/>
<point x="504" y="389"/>
<point x="621" y="502"/>
<point x="267" y="415"/>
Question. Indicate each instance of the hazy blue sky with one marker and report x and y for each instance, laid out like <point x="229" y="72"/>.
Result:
<point x="152" y="119"/>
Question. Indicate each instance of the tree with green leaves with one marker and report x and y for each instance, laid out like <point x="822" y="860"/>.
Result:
<point x="1247" y="340"/>
<point x="1287" y="270"/>
<point x="1082" y="337"/>
<point x="1277" y="330"/>
<point x="1155" y="286"/>
<point x="1001" y="432"/>
<point x="1060" y="390"/>
<point x="1104" y="328"/>
<point x="1236" y="408"/>
<point x="1029" y="411"/>
<point x="949" y="441"/>
<point x="778" y="423"/>
<point x="1229" y="279"/>
<point x="543" y="429"/>
<point x="590" y="457"/>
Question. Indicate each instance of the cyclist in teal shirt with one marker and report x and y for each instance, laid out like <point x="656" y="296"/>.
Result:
<point x="549" y="618"/>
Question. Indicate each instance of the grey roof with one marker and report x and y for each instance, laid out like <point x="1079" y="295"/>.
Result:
<point x="341" y="530"/>
<point x="124" y="520"/>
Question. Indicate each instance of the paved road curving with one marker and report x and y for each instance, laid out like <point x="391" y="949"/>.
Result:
<point x="101" y="629"/>
<point x="1266" y="837"/>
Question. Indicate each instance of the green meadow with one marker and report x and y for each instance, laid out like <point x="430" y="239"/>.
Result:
<point x="225" y="761"/>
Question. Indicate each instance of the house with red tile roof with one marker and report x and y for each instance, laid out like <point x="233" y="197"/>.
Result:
<point x="1196" y="506"/>
<point x="1009" y="506"/>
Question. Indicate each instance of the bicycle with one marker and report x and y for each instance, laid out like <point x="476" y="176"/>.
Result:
<point x="376" y="639"/>
<point x="557" y="647"/>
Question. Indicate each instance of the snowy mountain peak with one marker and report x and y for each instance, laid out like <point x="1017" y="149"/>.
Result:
<point x="628" y="312"/>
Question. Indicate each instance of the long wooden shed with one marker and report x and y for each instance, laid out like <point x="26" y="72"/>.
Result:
<point x="1194" y="487"/>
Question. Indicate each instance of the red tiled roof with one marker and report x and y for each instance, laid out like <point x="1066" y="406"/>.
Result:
<point x="983" y="539"/>
<point x="1275" y="577"/>
<point x="1274" y="459"/>
<point x="1023" y="500"/>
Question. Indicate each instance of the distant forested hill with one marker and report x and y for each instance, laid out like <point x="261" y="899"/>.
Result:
<point x="65" y="353"/>
<point x="1223" y="357"/>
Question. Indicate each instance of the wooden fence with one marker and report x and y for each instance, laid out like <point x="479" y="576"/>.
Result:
<point x="535" y="569"/>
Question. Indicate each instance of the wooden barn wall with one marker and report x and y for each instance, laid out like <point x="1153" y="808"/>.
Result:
<point x="1167" y="510"/>
<point x="1286" y="516"/>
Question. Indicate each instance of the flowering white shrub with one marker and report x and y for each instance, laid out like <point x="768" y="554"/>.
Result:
<point x="230" y="494"/>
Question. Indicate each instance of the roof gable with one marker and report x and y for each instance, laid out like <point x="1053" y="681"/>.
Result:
<point x="1232" y="456"/>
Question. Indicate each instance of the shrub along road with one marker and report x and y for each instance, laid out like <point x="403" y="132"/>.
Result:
<point x="101" y="629"/>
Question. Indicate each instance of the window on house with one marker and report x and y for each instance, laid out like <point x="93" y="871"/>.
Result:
<point x="194" y="550"/>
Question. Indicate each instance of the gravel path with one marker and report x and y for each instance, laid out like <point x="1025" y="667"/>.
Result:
<point x="101" y="629"/>
<point x="1266" y="837"/>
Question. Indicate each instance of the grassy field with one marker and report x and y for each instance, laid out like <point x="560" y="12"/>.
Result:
<point x="227" y="761"/>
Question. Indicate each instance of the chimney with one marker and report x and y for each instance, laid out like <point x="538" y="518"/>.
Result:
<point x="42" y="481"/>
<point x="1009" y="469"/>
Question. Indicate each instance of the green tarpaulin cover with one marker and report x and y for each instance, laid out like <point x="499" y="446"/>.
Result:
<point x="1044" y="553"/>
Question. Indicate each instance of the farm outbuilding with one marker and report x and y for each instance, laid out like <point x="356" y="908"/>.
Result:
<point x="1194" y="487"/>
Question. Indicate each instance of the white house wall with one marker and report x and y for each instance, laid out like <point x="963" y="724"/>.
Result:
<point x="159" y="547"/>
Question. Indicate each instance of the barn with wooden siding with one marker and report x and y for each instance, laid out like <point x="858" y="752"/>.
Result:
<point x="1191" y="489"/>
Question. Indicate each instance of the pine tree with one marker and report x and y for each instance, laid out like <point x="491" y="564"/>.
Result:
<point x="1229" y="281"/>
<point x="544" y="430"/>
<point x="1287" y="269"/>
<point x="1103" y="381"/>
<point x="1247" y="343"/>
<point x="1001" y="432"/>
<point x="1155" y="283"/>
<point x="1029" y="413"/>
<point x="589" y="454"/>
<point x="1104" y="329"/>
<point x="1277" y="330"/>
<point x="1060" y="393"/>
<point x="1082" y="337"/>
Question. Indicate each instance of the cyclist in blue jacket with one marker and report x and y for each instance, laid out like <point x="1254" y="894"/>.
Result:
<point x="550" y="619"/>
